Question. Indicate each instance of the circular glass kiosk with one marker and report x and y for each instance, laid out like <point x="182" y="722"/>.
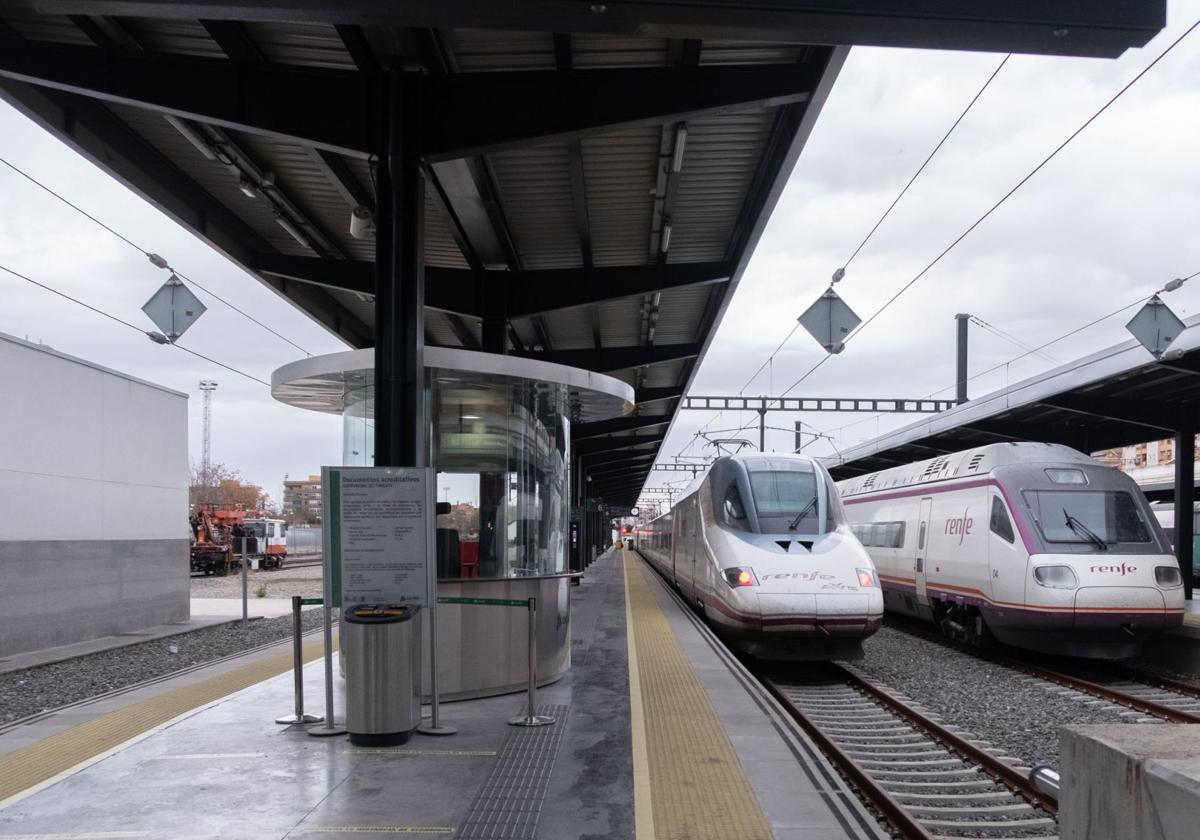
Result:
<point x="500" y="441"/>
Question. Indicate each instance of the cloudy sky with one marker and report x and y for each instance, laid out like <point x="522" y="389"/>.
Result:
<point x="1115" y="216"/>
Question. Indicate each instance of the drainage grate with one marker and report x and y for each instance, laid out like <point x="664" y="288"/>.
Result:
<point x="510" y="802"/>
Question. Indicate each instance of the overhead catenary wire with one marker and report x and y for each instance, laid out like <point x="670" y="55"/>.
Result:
<point x="154" y="258"/>
<point x="1174" y="284"/>
<point x="1009" y="337"/>
<point x="131" y="326"/>
<point x="925" y="163"/>
<point x="994" y="207"/>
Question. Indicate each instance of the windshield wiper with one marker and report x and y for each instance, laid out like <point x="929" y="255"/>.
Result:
<point x="1084" y="531"/>
<point x="812" y="505"/>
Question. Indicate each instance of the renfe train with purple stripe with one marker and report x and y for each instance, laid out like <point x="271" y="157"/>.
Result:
<point x="761" y="546"/>
<point x="1034" y="544"/>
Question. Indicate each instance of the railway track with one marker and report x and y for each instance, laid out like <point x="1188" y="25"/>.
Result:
<point x="1157" y="697"/>
<point x="929" y="781"/>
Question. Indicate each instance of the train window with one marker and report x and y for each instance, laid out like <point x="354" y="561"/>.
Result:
<point x="1087" y="516"/>
<point x="1001" y="524"/>
<point x="921" y="538"/>
<point x="733" y="510"/>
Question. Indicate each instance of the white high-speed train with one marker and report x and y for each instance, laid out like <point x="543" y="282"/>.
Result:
<point x="761" y="546"/>
<point x="1034" y="543"/>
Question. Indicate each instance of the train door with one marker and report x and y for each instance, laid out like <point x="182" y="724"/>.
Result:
<point x="922" y="550"/>
<point x="685" y="559"/>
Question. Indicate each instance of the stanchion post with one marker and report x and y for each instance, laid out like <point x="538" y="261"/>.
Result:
<point x="298" y="669"/>
<point x="435" y="726"/>
<point x="245" y="588"/>
<point x="531" y="718"/>
<point x="330" y="728"/>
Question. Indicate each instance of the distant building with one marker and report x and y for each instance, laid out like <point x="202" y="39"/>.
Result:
<point x="93" y="501"/>
<point x="1146" y="463"/>
<point x="302" y="500"/>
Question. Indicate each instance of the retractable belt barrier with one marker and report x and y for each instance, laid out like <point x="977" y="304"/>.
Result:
<point x="298" y="663"/>
<point x="530" y="718"/>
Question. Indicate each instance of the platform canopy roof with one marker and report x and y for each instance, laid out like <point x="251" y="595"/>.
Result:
<point x="1117" y="397"/>
<point x="600" y="171"/>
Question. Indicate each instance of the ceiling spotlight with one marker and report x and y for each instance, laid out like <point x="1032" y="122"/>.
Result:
<point x="248" y="188"/>
<point x="664" y="238"/>
<point x="362" y="223"/>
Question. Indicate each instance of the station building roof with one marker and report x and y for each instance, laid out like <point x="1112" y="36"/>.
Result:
<point x="1118" y="396"/>
<point x="609" y="167"/>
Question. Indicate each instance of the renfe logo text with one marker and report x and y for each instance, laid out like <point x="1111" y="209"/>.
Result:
<point x="1116" y="570"/>
<point x="961" y="526"/>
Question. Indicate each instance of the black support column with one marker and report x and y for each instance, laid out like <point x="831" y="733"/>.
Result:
<point x="1185" y="485"/>
<point x="961" y="358"/>
<point x="494" y="294"/>
<point x="401" y="418"/>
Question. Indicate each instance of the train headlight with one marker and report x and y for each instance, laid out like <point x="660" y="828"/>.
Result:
<point x="1056" y="577"/>
<point x="740" y="576"/>
<point x="1167" y="576"/>
<point x="866" y="578"/>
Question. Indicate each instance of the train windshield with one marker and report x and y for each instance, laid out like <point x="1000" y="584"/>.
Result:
<point x="1101" y="518"/>
<point x="784" y="497"/>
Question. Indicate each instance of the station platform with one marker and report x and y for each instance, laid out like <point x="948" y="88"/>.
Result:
<point x="1191" y="613"/>
<point x="660" y="733"/>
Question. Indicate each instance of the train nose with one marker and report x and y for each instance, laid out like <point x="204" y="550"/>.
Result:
<point x="830" y="614"/>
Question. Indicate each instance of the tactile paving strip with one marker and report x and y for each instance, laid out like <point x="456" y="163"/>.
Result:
<point x="24" y="768"/>
<point x="698" y="790"/>
<point x="509" y="804"/>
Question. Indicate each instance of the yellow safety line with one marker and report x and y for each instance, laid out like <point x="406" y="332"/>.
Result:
<point x="643" y="809"/>
<point x="697" y="787"/>
<point x="56" y="754"/>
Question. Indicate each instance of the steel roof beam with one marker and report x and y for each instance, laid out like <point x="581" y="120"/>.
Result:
<point x="1054" y="27"/>
<point x="529" y="293"/>
<point x="617" y="468"/>
<point x="594" y="447"/>
<point x="1138" y="413"/>
<point x="478" y="113"/>
<point x="333" y="166"/>
<point x="467" y="114"/>
<point x="609" y="458"/>
<point x="106" y="32"/>
<point x="619" y="358"/>
<point x="327" y="108"/>
<point x="644" y="396"/>
<point x="600" y="428"/>
<point x="536" y="292"/>
<point x="234" y="40"/>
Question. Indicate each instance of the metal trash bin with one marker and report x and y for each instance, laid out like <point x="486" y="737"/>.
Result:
<point x="382" y="646"/>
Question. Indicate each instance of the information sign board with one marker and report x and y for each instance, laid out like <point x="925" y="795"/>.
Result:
<point x="379" y="534"/>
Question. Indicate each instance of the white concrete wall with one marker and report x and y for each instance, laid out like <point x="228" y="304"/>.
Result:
<point x="93" y="500"/>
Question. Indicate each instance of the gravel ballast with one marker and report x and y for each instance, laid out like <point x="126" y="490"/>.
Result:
<point x="277" y="583"/>
<point x="32" y="690"/>
<point x="1016" y="713"/>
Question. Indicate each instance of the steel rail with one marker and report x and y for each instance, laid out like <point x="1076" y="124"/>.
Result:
<point x="1166" y="683"/>
<point x="1001" y="771"/>
<point x="1138" y="704"/>
<point x="1095" y="689"/>
<point x="897" y="814"/>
